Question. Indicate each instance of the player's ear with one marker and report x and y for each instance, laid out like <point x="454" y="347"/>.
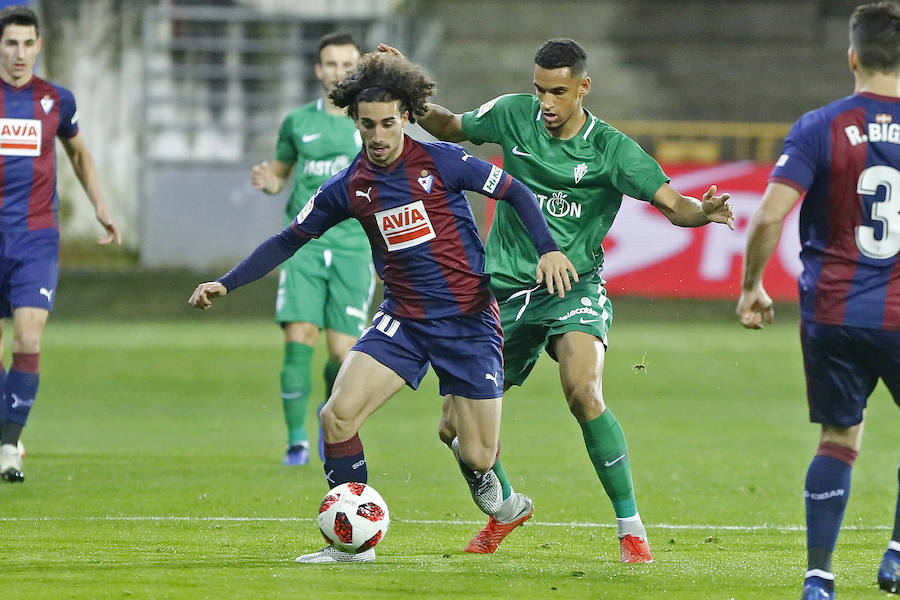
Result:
<point x="585" y="86"/>
<point x="404" y="118"/>
<point x="852" y="59"/>
<point x="317" y="69"/>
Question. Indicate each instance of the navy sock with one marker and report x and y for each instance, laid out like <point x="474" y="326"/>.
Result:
<point x="19" y="389"/>
<point x="827" y="491"/>
<point x="345" y="461"/>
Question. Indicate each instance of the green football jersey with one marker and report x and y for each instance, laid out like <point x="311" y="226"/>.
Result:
<point x="321" y="145"/>
<point x="578" y="182"/>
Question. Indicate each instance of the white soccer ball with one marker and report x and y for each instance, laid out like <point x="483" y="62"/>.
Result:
<point x="353" y="517"/>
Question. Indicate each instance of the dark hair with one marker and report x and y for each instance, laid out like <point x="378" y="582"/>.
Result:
<point x="337" y="38"/>
<point x="562" y="52"/>
<point x="383" y="77"/>
<point x="875" y="36"/>
<point x="18" y="15"/>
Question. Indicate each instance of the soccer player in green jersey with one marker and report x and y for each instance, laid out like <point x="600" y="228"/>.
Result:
<point x="579" y="167"/>
<point x="328" y="284"/>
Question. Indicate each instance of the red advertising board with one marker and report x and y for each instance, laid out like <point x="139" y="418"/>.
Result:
<point x="648" y="256"/>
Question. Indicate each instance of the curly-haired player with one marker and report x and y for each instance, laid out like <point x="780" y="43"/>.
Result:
<point x="438" y="308"/>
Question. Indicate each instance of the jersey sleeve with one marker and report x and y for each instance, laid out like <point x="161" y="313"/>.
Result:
<point x="485" y="123"/>
<point x="68" y="115"/>
<point x="803" y="147"/>
<point x="326" y="208"/>
<point x="634" y="172"/>
<point x="285" y="149"/>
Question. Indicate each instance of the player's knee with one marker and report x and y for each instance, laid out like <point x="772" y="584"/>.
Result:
<point x="27" y="341"/>
<point x="479" y="457"/>
<point x="585" y="401"/>
<point x="333" y="426"/>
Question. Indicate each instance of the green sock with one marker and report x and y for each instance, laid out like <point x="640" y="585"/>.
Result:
<point x="296" y="377"/>
<point x="501" y="475"/>
<point x="331" y="370"/>
<point x="605" y="443"/>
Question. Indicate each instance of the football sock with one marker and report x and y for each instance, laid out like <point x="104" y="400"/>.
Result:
<point x="605" y="442"/>
<point x="501" y="476"/>
<point x="20" y="390"/>
<point x="330" y="373"/>
<point x="631" y="526"/>
<point x="896" y="535"/>
<point x="827" y="491"/>
<point x="296" y="378"/>
<point x="345" y="461"/>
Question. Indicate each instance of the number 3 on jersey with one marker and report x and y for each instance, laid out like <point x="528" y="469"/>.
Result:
<point x="887" y="211"/>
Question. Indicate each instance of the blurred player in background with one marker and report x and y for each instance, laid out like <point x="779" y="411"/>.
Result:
<point x="438" y="308"/>
<point x="846" y="158"/>
<point x="579" y="167"/>
<point x="329" y="283"/>
<point x="32" y="113"/>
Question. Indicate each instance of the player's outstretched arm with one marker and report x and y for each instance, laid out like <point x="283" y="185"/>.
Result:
<point x="205" y="292"/>
<point x="685" y="211"/>
<point x="755" y="307"/>
<point x="438" y="121"/>
<point x="270" y="176"/>
<point x="86" y="171"/>
<point x="555" y="267"/>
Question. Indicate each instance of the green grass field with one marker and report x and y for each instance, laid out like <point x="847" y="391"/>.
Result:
<point x="153" y="472"/>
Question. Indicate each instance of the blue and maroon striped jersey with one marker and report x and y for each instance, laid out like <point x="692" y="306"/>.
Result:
<point x="425" y="244"/>
<point x="31" y="117"/>
<point x="846" y="157"/>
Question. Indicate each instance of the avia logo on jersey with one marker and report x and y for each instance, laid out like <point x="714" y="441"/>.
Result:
<point x="882" y="130"/>
<point x="20" y="137"/>
<point x="557" y="205"/>
<point x="405" y="226"/>
<point x="326" y="168"/>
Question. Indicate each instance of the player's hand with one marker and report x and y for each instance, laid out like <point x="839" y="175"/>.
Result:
<point x="112" y="232"/>
<point x="716" y="208"/>
<point x="755" y="307"/>
<point x="205" y="292"/>
<point x="262" y="178"/>
<point x="554" y="268"/>
<point x="390" y="50"/>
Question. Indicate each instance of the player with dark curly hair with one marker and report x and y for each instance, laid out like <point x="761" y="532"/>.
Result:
<point x="438" y="309"/>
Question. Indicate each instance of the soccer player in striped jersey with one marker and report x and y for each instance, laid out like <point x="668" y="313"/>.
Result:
<point x="845" y="158"/>
<point x="579" y="167"/>
<point x="438" y="309"/>
<point x="33" y="112"/>
<point x="329" y="283"/>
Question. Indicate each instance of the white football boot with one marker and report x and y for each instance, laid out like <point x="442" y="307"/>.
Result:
<point x="11" y="462"/>
<point x="330" y="556"/>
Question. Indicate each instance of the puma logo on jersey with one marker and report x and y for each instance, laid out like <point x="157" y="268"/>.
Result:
<point x="45" y="292"/>
<point x="405" y="226"/>
<point x="466" y="156"/>
<point x="365" y="194"/>
<point x="491" y="377"/>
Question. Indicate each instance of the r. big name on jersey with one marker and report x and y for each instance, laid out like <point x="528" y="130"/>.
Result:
<point x="882" y="130"/>
<point x="318" y="168"/>
<point x="405" y="226"/>
<point x="558" y="205"/>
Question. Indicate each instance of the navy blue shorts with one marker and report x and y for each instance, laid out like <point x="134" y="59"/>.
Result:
<point x="466" y="352"/>
<point x="28" y="269"/>
<point x="842" y="365"/>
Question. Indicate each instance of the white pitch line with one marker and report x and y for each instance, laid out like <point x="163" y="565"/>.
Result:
<point x="580" y="524"/>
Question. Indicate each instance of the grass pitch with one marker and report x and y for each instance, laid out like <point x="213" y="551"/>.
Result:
<point x="153" y="472"/>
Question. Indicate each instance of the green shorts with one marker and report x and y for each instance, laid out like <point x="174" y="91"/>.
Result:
<point x="530" y="317"/>
<point x="331" y="289"/>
